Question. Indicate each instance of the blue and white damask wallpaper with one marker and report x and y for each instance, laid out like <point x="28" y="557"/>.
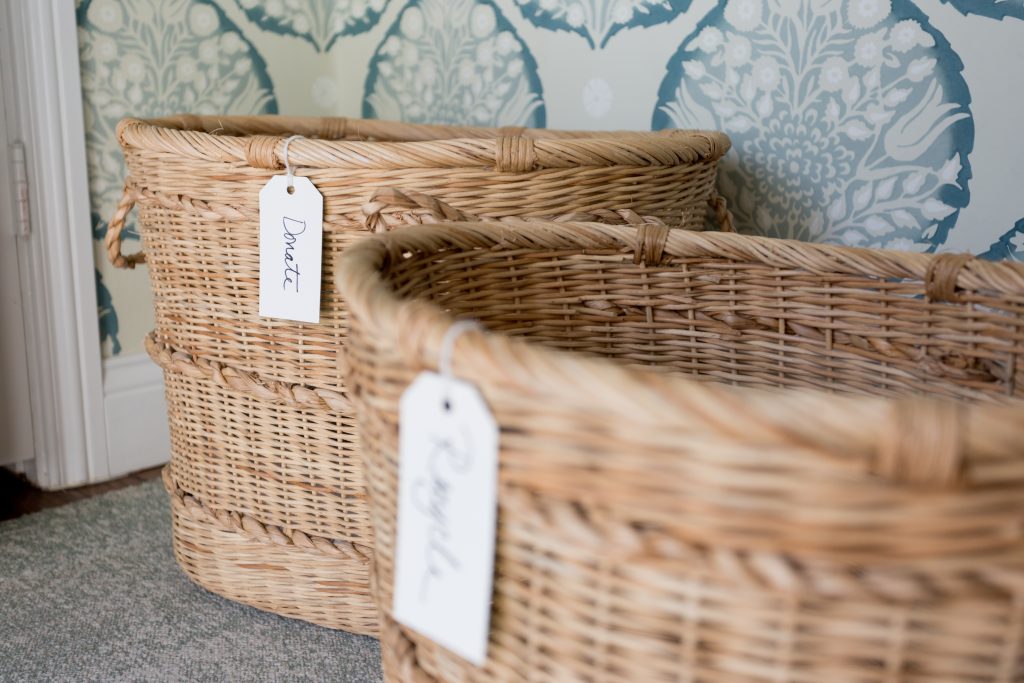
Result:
<point x="880" y="123"/>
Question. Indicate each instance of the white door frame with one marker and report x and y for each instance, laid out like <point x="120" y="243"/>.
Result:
<point x="39" y="45"/>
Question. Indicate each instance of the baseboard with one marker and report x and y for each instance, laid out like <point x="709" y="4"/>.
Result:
<point x="137" y="433"/>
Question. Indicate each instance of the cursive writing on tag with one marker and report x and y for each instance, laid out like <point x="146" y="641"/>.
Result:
<point x="432" y="496"/>
<point x="292" y="229"/>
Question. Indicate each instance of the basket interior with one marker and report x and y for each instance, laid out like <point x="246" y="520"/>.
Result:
<point x="733" y="321"/>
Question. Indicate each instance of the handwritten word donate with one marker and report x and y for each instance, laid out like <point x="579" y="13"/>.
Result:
<point x="292" y="229"/>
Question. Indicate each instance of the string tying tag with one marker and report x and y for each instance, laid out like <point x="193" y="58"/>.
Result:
<point x="444" y="362"/>
<point x="289" y="172"/>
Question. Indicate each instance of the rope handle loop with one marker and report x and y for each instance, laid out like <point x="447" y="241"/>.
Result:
<point x="112" y="240"/>
<point x="722" y="214"/>
<point x="423" y="208"/>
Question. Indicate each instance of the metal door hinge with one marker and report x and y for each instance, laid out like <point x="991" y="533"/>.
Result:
<point x="19" y="168"/>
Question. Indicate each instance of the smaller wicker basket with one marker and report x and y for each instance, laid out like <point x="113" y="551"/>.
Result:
<point x="764" y="461"/>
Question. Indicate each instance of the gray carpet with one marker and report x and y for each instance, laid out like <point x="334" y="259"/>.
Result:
<point x="90" y="592"/>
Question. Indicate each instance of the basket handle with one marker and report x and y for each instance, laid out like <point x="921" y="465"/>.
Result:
<point x="722" y="213"/>
<point x="112" y="240"/>
<point x="430" y="210"/>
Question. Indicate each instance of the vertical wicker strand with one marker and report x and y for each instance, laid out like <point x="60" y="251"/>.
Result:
<point x="1011" y="366"/>
<point x="606" y="583"/>
<point x="689" y="666"/>
<point x="650" y="333"/>
<point x="896" y="654"/>
<point x="780" y="293"/>
<point x="691" y="314"/>
<point x="533" y="634"/>
<point x="733" y="300"/>
<point x="787" y="638"/>
<point x="829" y="319"/>
<point x="1009" y="661"/>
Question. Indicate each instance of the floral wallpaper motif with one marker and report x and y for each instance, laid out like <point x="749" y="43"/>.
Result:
<point x="850" y="119"/>
<point x="1009" y="246"/>
<point x="599" y="20"/>
<point x="454" y="61"/>
<point x="321" y="22"/>
<point x="862" y="122"/>
<point x="997" y="9"/>
<point x="108" y="316"/>
<point x="147" y="58"/>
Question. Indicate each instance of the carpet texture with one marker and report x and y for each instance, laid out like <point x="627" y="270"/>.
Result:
<point x="90" y="592"/>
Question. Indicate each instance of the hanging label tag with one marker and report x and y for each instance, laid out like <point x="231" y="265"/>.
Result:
<point x="291" y="249"/>
<point x="447" y="507"/>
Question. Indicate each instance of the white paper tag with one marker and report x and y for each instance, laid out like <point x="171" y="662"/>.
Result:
<point x="447" y="507"/>
<point x="291" y="249"/>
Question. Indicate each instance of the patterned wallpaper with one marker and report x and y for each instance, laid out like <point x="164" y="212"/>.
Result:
<point x="882" y="123"/>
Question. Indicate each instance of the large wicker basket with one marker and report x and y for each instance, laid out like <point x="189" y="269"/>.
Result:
<point x="269" y="500"/>
<point x="762" y="460"/>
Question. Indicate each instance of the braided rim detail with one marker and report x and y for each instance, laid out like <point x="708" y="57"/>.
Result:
<point x="172" y="359"/>
<point x="255" y="530"/>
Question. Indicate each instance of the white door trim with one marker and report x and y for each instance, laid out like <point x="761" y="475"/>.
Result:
<point x="137" y="433"/>
<point x="44" y="107"/>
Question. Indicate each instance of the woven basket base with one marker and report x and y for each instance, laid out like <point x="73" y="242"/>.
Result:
<point x="398" y="655"/>
<point x="294" y="582"/>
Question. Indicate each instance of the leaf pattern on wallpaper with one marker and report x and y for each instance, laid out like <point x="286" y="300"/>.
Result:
<point x="320" y="22"/>
<point x="457" y="62"/>
<point x="147" y="58"/>
<point x="850" y="118"/>
<point x="108" y="316"/>
<point x="599" y="20"/>
<point x="997" y="9"/>
<point x="1009" y="246"/>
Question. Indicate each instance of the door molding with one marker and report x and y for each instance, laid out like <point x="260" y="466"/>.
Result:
<point x="136" y="415"/>
<point x="43" y="102"/>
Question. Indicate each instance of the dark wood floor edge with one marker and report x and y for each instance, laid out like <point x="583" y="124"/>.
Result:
<point x="20" y="497"/>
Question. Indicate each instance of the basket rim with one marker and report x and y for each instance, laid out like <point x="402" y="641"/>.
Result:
<point x="406" y="145"/>
<point x="991" y="434"/>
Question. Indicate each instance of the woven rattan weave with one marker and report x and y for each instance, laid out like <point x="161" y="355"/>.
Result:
<point x="722" y="458"/>
<point x="260" y="429"/>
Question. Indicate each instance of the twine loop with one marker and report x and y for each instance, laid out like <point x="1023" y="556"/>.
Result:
<point x="444" y="362"/>
<point x="459" y="328"/>
<point x="288" y="170"/>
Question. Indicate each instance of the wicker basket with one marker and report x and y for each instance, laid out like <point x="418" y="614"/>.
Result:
<point x="768" y="461"/>
<point x="263" y="441"/>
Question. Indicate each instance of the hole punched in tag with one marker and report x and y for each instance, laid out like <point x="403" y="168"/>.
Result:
<point x="444" y="362"/>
